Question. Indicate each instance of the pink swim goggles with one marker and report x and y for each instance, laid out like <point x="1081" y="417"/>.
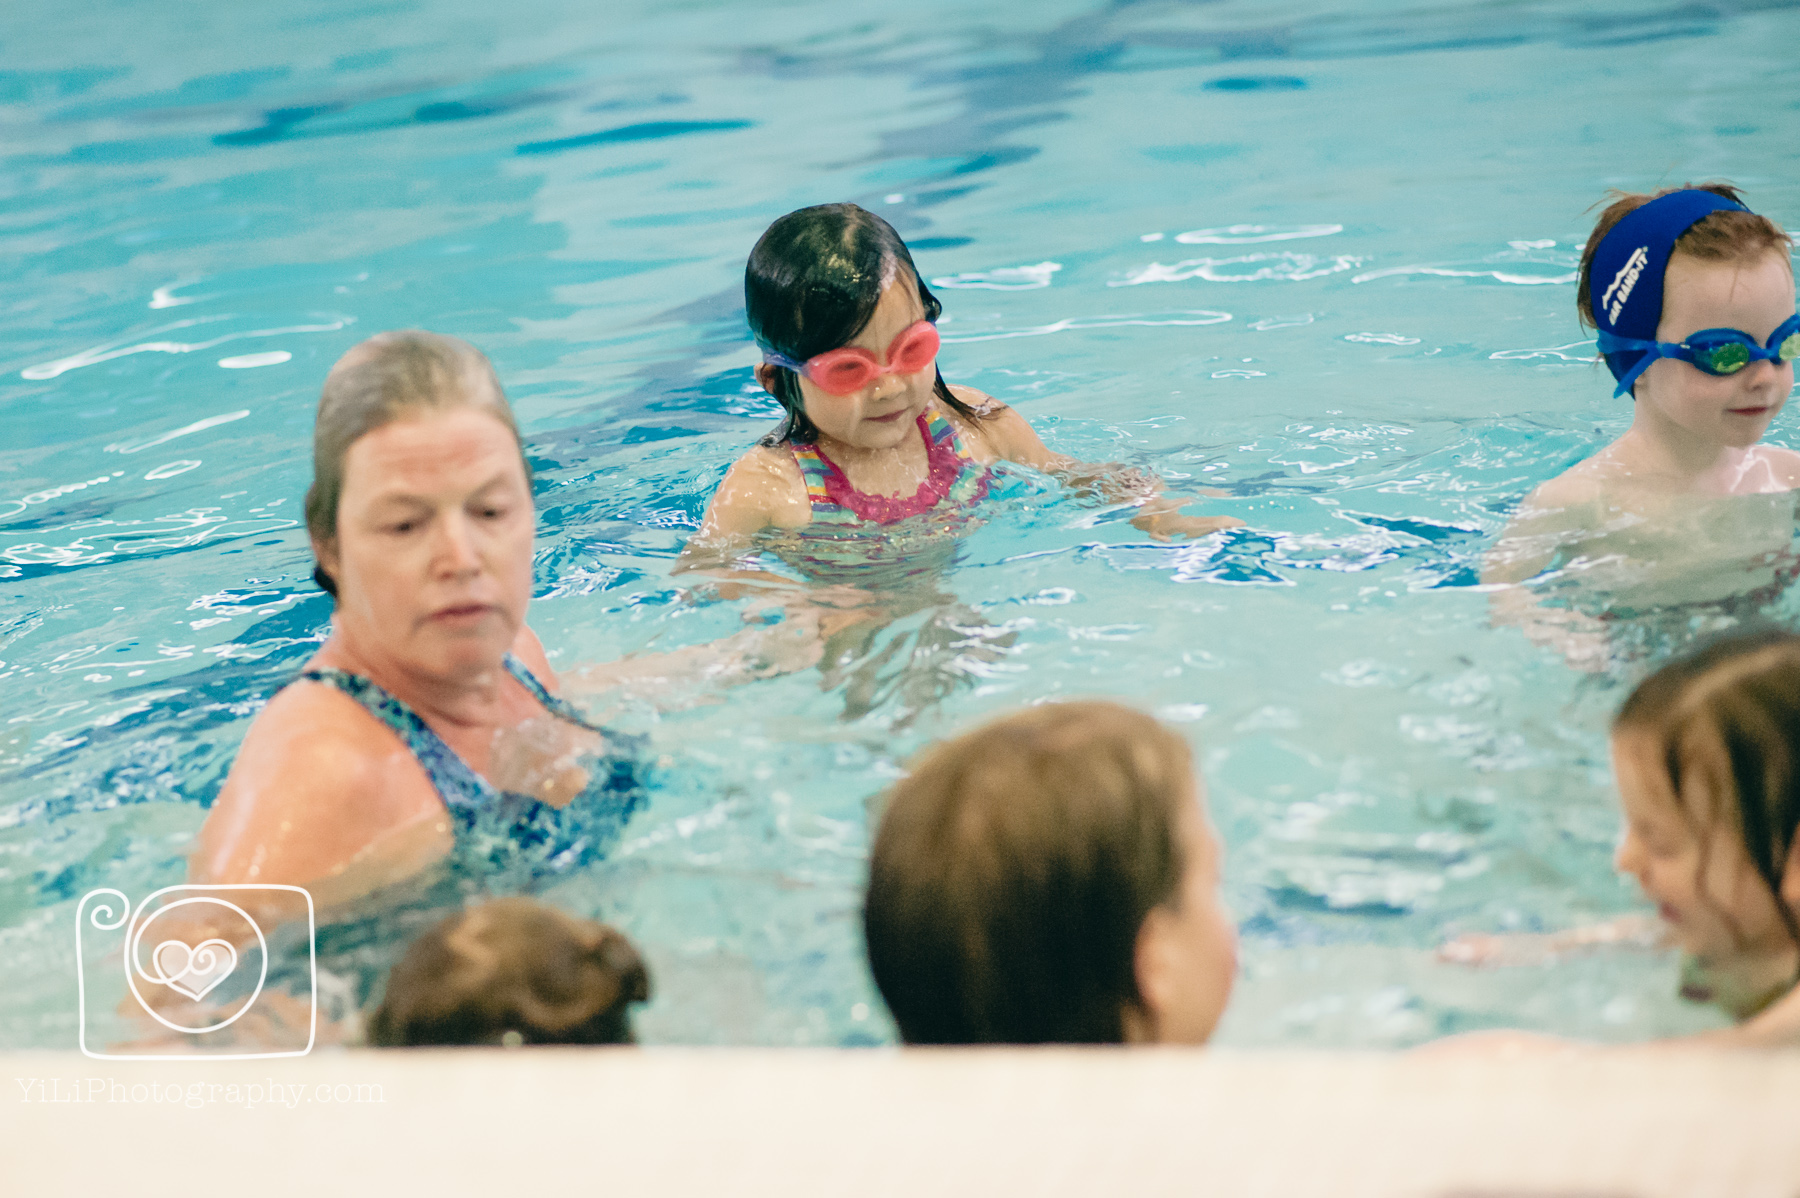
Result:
<point x="848" y="370"/>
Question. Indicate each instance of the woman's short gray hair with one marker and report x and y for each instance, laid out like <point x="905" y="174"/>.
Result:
<point x="384" y="379"/>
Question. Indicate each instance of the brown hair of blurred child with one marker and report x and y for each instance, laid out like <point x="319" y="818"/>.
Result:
<point x="1051" y="877"/>
<point x="513" y="971"/>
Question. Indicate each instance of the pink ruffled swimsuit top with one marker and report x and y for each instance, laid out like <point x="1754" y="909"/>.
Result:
<point x="950" y="474"/>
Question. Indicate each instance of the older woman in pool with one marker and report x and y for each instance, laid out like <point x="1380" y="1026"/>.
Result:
<point x="430" y="718"/>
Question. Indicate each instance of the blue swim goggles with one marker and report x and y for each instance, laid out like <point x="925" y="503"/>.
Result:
<point x="1716" y="351"/>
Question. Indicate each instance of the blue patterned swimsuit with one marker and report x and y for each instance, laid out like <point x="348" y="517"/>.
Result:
<point x="501" y="833"/>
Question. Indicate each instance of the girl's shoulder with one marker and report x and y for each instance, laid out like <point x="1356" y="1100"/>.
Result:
<point x="997" y="432"/>
<point x="763" y="488"/>
<point x="985" y="406"/>
<point x="989" y="429"/>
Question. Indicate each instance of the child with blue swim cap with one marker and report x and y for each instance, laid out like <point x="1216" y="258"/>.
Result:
<point x="1691" y="296"/>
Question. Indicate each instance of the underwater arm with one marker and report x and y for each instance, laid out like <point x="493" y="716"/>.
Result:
<point x="1544" y="948"/>
<point x="1160" y="515"/>
<point x="1527" y="547"/>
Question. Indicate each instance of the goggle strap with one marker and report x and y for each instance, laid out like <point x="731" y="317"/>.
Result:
<point x="1630" y="377"/>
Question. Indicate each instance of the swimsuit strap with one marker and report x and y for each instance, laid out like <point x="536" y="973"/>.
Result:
<point x="556" y="705"/>
<point x="463" y="790"/>
<point x="938" y="430"/>
<point x="816" y="470"/>
<point x="971" y="482"/>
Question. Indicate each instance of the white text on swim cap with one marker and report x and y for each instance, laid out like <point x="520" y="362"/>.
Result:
<point x="1623" y="282"/>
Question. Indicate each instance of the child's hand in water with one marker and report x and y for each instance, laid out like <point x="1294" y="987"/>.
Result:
<point x="1544" y="948"/>
<point x="1163" y="519"/>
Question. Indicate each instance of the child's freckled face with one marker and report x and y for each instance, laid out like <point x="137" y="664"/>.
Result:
<point x="1732" y="410"/>
<point x="883" y="414"/>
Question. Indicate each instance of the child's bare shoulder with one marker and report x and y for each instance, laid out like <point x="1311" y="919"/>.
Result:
<point x="1580" y="486"/>
<point x="1783" y="465"/>
<point x="763" y="487"/>
<point x="996" y="431"/>
<point x="765" y="464"/>
<point x="985" y="406"/>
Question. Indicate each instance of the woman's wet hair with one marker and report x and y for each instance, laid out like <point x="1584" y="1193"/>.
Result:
<point x="512" y="971"/>
<point x="812" y="284"/>
<point x="1726" y="724"/>
<point x="1723" y="236"/>
<point x="386" y="378"/>
<point x="1013" y="870"/>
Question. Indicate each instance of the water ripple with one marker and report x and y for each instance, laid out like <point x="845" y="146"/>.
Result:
<point x="1007" y="278"/>
<point x="1289" y="266"/>
<point x="1248" y="234"/>
<point x="1198" y="316"/>
<point x="1503" y="276"/>
<point x="120" y="349"/>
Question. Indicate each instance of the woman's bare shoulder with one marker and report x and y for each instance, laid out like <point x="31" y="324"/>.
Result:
<point x="317" y="776"/>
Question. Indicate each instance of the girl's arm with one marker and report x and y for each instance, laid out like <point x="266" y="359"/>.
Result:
<point x="1014" y="440"/>
<point x="1543" y="948"/>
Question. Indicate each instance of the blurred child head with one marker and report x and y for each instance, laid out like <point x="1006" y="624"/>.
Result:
<point x="513" y="971"/>
<point x="1707" y="755"/>
<point x="1051" y="877"/>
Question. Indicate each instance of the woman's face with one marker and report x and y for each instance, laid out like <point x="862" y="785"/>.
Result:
<point x="433" y="554"/>
<point x="1730" y="410"/>
<point x="882" y="414"/>
<point x="1704" y="885"/>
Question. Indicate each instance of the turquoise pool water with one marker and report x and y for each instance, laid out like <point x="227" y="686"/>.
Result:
<point x="1318" y="257"/>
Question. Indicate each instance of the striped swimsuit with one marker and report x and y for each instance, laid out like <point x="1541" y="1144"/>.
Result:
<point x="951" y="474"/>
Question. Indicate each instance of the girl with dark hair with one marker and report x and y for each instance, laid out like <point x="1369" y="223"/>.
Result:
<point x="1706" y="754"/>
<point x="872" y="434"/>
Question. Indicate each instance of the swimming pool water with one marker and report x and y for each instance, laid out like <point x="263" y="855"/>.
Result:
<point x="1318" y="257"/>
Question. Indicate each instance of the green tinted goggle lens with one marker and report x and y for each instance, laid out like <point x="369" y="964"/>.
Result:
<point x="1790" y="349"/>
<point x="1728" y="358"/>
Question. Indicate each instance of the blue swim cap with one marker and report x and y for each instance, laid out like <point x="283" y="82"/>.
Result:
<point x="1625" y="280"/>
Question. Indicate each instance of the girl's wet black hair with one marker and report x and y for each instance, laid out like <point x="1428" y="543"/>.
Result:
<point x="812" y="284"/>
